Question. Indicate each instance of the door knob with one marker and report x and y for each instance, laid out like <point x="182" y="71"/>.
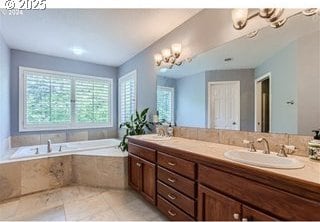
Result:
<point x="138" y="164"/>
<point x="236" y="216"/>
<point x="234" y="123"/>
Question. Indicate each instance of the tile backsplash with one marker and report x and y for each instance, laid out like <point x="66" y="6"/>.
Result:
<point x="232" y="137"/>
<point x="38" y="138"/>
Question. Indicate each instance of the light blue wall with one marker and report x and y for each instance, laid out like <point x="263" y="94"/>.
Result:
<point x="33" y="60"/>
<point x="4" y="95"/>
<point x="191" y="101"/>
<point x="283" y="69"/>
<point x="246" y="78"/>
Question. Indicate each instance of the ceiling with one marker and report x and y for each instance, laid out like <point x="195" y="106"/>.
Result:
<point x="106" y="36"/>
<point x="248" y="53"/>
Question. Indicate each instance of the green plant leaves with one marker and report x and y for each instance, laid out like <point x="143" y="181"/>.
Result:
<point x="136" y="126"/>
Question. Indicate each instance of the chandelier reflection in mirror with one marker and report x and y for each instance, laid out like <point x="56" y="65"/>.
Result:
<point x="169" y="57"/>
<point x="274" y="16"/>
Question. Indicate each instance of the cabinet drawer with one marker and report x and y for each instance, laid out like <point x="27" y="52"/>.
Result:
<point x="283" y="205"/>
<point x="172" y="212"/>
<point x="181" y="166"/>
<point x="143" y="152"/>
<point x="180" y="183"/>
<point x="183" y="202"/>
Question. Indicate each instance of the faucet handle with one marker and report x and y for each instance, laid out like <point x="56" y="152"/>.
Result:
<point x="290" y="148"/>
<point x="251" y="145"/>
<point x="282" y="151"/>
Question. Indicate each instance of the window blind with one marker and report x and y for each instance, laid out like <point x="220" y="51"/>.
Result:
<point x="127" y="96"/>
<point x="47" y="99"/>
<point x="92" y="101"/>
<point x="165" y="104"/>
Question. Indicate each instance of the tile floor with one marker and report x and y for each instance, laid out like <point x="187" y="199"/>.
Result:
<point x="80" y="203"/>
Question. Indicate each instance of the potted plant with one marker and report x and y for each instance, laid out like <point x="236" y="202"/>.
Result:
<point x="137" y="125"/>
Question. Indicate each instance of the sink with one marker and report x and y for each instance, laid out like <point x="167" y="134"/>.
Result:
<point x="155" y="138"/>
<point x="263" y="160"/>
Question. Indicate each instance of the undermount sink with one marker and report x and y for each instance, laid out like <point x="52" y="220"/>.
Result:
<point x="263" y="160"/>
<point x="155" y="138"/>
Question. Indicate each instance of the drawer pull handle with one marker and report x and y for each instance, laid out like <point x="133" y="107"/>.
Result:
<point x="171" y="164"/>
<point x="171" y="213"/>
<point x="172" y="197"/>
<point x="171" y="180"/>
<point x="138" y="164"/>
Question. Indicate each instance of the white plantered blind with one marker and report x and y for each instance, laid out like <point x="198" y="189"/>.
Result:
<point x="55" y="100"/>
<point x="165" y="103"/>
<point x="92" y="101"/>
<point x="127" y="96"/>
<point x="48" y="99"/>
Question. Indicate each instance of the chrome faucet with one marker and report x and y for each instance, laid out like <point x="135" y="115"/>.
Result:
<point x="49" y="148"/>
<point x="266" y="145"/>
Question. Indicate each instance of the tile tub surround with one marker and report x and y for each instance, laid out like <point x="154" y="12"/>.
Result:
<point x="28" y="176"/>
<point x="37" y="138"/>
<point x="98" y="171"/>
<point x="232" y="137"/>
<point x="73" y="203"/>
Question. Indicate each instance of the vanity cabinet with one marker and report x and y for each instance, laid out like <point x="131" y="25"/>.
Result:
<point x="213" y="206"/>
<point x="142" y="172"/>
<point x="185" y="186"/>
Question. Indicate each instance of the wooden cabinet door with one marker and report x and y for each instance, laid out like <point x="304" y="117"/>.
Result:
<point x="213" y="206"/>
<point x="134" y="172"/>
<point x="148" y="181"/>
<point x="250" y="214"/>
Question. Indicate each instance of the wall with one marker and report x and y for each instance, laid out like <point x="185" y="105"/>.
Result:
<point x="206" y="30"/>
<point x="298" y="66"/>
<point x="308" y="69"/>
<point x="283" y="70"/>
<point x="4" y="96"/>
<point x="33" y="60"/>
<point x="191" y="99"/>
<point x="246" y="78"/>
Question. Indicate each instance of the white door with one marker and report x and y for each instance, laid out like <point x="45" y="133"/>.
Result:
<point x="224" y="105"/>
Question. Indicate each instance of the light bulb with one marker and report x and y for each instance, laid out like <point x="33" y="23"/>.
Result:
<point x="176" y="49"/>
<point x="166" y="53"/>
<point x="158" y="59"/>
<point x="239" y="18"/>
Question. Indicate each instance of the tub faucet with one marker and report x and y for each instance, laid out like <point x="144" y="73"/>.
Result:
<point x="49" y="149"/>
<point x="266" y="145"/>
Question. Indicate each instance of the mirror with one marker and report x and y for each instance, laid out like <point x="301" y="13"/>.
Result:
<point x="267" y="83"/>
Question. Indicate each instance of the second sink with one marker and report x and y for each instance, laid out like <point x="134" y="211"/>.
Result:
<point x="263" y="160"/>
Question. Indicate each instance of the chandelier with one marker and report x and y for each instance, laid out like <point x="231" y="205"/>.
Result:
<point x="169" y="57"/>
<point x="274" y="16"/>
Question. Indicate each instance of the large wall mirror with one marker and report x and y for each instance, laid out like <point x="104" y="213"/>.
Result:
<point x="266" y="83"/>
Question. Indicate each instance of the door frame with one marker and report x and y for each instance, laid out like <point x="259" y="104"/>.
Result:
<point x="210" y="84"/>
<point x="265" y="76"/>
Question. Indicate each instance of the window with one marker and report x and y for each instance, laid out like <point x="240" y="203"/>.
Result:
<point x="54" y="100"/>
<point x="165" y="103"/>
<point x="127" y="96"/>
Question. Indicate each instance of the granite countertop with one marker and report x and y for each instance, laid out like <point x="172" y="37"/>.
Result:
<point x="309" y="173"/>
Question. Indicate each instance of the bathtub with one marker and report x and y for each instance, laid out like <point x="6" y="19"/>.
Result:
<point x="90" y="146"/>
